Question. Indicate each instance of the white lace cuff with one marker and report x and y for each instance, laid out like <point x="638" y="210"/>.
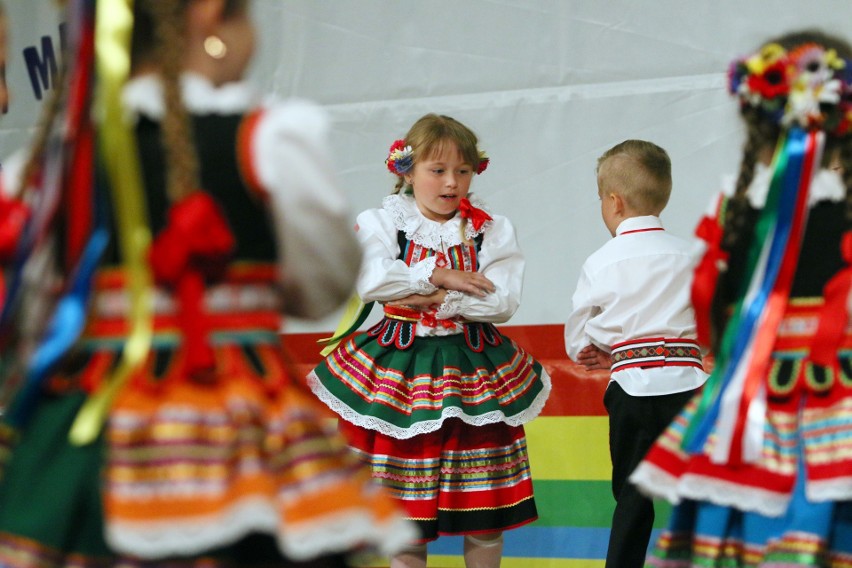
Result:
<point x="452" y="305"/>
<point x="421" y="273"/>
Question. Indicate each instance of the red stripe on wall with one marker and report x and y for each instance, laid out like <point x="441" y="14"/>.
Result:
<point x="576" y="392"/>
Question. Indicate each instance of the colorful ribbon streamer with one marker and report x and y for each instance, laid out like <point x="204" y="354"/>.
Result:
<point x="736" y="383"/>
<point x="69" y="144"/>
<point x="113" y="26"/>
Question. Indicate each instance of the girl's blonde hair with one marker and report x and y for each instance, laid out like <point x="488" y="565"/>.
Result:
<point x="645" y="181"/>
<point x="429" y="136"/>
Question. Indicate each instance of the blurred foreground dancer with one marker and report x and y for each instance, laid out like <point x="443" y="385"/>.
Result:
<point x="206" y="452"/>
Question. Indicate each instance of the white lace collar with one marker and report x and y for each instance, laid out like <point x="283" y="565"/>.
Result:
<point x="826" y="186"/>
<point x="144" y="95"/>
<point x="407" y="217"/>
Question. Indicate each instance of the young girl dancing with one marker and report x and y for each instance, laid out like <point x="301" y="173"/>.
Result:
<point x="760" y="462"/>
<point x="434" y="397"/>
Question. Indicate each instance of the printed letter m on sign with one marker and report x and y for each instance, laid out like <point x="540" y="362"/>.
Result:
<point x="41" y="67"/>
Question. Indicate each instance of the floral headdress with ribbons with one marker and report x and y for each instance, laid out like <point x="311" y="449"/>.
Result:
<point x="809" y="86"/>
<point x="400" y="159"/>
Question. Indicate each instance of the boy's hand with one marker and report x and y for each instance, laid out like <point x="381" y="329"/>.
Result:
<point x="462" y="281"/>
<point x="593" y="358"/>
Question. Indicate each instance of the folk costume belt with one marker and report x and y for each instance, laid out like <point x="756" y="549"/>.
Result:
<point x="398" y="328"/>
<point x="656" y="352"/>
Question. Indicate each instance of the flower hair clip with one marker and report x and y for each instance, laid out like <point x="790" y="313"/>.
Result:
<point x="400" y="158"/>
<point x="484" y="160"/>
<point x="809" y="87"/>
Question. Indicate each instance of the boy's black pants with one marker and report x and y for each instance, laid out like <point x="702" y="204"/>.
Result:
<point x="635" y="422"/>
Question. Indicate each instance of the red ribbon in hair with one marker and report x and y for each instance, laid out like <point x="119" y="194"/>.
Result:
<point x="476" y="216"/>
<point x="706" y="275"/>
<point x="834" y="315"/>
<point x="194" y="246"/>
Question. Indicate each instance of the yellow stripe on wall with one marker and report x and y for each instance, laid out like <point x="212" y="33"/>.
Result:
<point x="569" y="448"/>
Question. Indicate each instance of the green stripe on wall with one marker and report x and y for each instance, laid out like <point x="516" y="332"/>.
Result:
<point x="582" y="504"/>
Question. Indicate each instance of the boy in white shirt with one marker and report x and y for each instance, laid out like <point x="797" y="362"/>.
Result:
<point x="632" y="314"/>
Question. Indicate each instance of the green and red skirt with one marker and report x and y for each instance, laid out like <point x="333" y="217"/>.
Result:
<point x="440" y="421"/>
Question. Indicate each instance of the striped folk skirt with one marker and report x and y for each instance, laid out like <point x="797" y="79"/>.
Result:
<point x="440" y="422"/>
<point x="238" y="468"/>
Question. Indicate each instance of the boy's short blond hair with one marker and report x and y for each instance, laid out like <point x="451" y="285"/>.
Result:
<point x="639" y="171"/>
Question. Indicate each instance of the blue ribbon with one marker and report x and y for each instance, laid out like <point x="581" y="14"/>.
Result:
<point x="780" y="203"/>
<point x="65" y="326"/>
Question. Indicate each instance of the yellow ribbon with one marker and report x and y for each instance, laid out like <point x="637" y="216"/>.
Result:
<point x="351" y="315"/>
<point x="117" y="144"/>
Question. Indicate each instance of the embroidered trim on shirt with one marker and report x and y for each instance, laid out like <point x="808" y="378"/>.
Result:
<point x="656" y="352"/>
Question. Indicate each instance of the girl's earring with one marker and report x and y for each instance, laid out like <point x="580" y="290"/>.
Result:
<point x="215" y="47"/>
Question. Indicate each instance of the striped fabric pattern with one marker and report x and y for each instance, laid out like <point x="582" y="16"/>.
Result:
<point x="569" y="462"/>
<point x="499" y="384"/>
<point x="458" y="257"/>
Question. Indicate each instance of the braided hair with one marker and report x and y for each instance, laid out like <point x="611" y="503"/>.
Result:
<point x="157" y="40"/>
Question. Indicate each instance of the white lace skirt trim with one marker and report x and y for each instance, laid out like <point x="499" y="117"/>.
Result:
<point x="720" y="492"/>
<point x="427" y="426"/>
<point x="347" y="531"/>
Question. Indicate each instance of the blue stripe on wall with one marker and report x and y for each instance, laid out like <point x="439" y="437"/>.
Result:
<point x="542" y="542"/>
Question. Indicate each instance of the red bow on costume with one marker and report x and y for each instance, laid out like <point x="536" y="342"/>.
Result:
<point x="477" y="216"/>
<point x="706" y="275"/>
<point x="834" y="315"/>
<point x="194" y="246"/>
<point x="429" y="320"/>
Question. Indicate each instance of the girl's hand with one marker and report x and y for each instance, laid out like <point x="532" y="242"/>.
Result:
<point x="593" y="357"/>
<point x="422" y="302"/>
<point x="470" y="282"/>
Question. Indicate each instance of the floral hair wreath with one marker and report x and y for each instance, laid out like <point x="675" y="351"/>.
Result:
<point x="809" y="86"/>
<point x="400" y="159"/>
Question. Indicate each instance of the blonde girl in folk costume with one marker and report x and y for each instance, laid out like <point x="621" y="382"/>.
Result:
<point x="761" y="462"/>
<point x="433" y="397"/>
<point x="212" y="454"/>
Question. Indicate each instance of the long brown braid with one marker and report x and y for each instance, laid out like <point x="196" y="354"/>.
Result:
<point x="181" y="159"/>
<point x="50" y="111"/>
<point x="760" y="133"/>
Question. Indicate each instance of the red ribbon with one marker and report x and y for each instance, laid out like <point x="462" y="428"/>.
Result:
<point x="428" y="319"/>
<point x="194" y="246"/>
<point x="834" y="315"/>
<point x="13" y="217"/>
<point x="706" y="276"/>
<point x="477" y="216"/>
